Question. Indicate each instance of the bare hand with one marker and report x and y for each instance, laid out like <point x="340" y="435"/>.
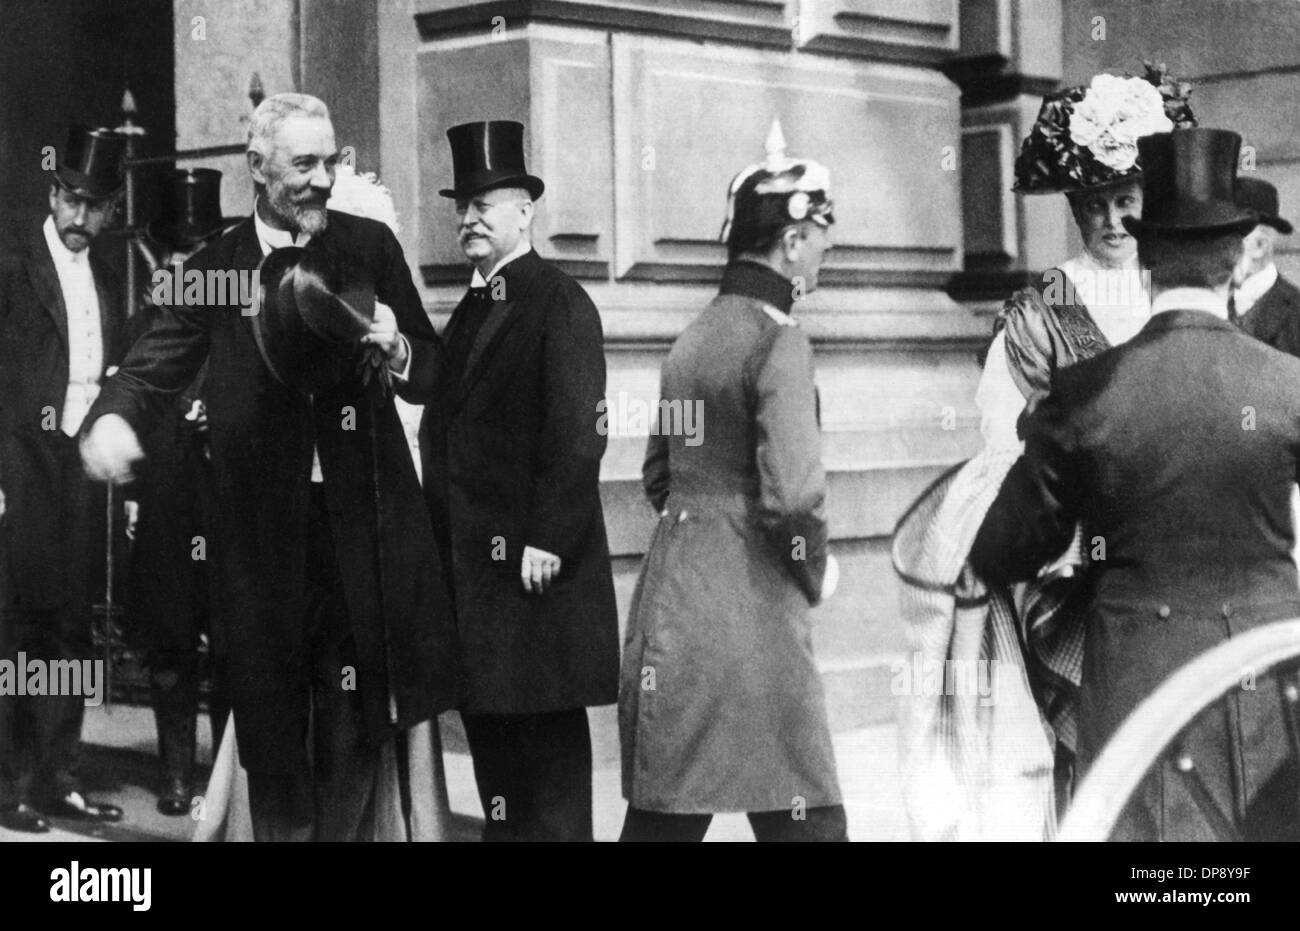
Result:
<point x="197" y="416"/>
<point x="383" y="333"/>
<point x="110" y="449"/>
<point x="132" y="511"/>
<point x="538" y="569"/>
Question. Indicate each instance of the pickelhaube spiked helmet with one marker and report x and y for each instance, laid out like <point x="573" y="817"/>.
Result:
<point x="770" y="195"/>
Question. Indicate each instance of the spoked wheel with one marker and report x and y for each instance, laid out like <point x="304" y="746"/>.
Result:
<point x="1153" y="735"/>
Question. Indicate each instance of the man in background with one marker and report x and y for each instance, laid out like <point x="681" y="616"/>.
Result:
<point x="62" y="326"/>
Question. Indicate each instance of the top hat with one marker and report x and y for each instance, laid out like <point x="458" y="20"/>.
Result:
<point x="191" y="208"/>
<point x="90" y="165"/>
<point x="1260" y="197"/>
<point x="488" y="155"/>
<point x="770" y="195"/>
<point x="1190" y="184"/>
<point x="309" y="322"/>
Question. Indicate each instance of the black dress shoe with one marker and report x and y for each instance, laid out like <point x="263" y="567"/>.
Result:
<point x="75" y="805"/>
<point x="23" y="818"/>
<point x="175" y="797"/>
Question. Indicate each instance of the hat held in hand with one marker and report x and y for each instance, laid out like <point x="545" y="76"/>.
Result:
<point x="308" y="323"/>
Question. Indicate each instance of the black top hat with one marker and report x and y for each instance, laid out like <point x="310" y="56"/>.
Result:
<point x="488" y="155"/>
<point x="1190" y="183"/>
<point x="191" y="208"/>
<point x="90" y="165"/>
<point x="309" y="323"/>
<point x="1260" y="197"/>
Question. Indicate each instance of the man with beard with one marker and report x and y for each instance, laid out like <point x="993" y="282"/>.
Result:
<point x="62" y="324"/>
<point x="337" y="623"/>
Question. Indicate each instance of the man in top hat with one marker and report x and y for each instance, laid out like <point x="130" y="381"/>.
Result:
<point x="511" y="471"/>
<point x="170" y="601"/>
<point x="338" y="630"/>
<point x="1147" y="446"/>
<point x="1267" y="305"/>
<point x="62" y="325"/>
<point x="736" y="720"/>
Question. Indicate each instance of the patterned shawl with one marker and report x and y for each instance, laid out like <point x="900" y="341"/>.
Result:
<point x="982" y="767"/>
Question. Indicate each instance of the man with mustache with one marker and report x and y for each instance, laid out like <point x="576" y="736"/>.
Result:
<point x="338" y="628"/>
<point x="512" y="455"/>
<point x="62" y="325"/>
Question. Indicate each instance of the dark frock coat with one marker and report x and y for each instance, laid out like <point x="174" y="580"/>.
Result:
<point x="262" y="437"/>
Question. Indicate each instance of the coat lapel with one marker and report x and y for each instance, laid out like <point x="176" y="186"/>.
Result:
<point x="501" y="318"/>
<point x="45" y="281"/>
<point x="112" y="315"/>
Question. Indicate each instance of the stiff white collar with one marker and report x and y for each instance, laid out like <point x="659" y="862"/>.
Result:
<point x="477" y="280"/>
<point x="1255" y="287"/>
<point x="270" y="238"/>
<point x="1190" y="299"/>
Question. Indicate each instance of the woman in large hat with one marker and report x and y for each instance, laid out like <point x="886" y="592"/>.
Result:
<point x="974" y="766"/>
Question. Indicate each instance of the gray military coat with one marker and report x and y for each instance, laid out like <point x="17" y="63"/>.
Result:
<point x="721" y="706"/>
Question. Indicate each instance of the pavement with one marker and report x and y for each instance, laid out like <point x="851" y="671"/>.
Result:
<point x="118" y="765"/>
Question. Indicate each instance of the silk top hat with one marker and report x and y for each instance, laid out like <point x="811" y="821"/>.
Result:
<point x="1190" y="183"/>
<point x="191" y="208"/>
<point x="1260" y="197"/>
<point x="488" y="155"/>
<point x="309" y="322"/>
<point x="90" y="165"/>
<point x="768" y="196"/>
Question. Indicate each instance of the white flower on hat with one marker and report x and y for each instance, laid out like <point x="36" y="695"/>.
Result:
<point x="1114" y="113"/>
<point x="363" y="195"/>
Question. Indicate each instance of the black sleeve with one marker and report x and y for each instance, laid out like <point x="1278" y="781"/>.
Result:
<point x="1033" y="517"/>
<point x="568" y="460"/>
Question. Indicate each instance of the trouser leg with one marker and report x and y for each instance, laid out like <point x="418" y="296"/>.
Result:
<point x="823" y="823"/>
<point x="533" y="773"/>
<point x="640" y="826"/>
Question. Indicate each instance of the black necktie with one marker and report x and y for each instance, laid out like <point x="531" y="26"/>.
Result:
<point x="472" y="313"/>
<point x="1232" y="305"/>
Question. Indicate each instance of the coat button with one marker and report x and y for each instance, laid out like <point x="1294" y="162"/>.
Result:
<point x="1162" y="612"/>
<point x="1227" y="610"/>
<point x="681" y="517"/>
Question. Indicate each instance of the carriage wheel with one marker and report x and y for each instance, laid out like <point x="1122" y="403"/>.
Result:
<point x="1152" y="734"/>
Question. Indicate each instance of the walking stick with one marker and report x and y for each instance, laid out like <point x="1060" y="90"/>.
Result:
<point x="108" y="602"/>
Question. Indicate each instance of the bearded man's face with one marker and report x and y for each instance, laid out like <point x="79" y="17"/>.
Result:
<point x="299" y="173"/>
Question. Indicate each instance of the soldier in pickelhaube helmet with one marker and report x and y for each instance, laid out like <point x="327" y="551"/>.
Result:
<point x="736" y="720"/>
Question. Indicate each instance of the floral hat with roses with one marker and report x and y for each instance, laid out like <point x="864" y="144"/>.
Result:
<point x="1086" y="136"/>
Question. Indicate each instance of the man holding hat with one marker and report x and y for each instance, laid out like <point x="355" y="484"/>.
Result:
<point x="62" y="325"/>
<point x="170" y="599"/>
<point x="512" y="455"/>
<point x="338" y="630"/>
<point x="1267" y="305"/>
<point x="1146" y="445"/>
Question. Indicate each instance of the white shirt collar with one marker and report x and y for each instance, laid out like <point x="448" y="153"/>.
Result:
<point x="1190" y="299"/>
<point x="478" y="281"/>
<point x="270" y="238"/>
<point x="61" y="254"/>
<point x="1255" y="287"/>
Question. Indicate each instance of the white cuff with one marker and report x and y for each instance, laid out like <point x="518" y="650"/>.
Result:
<point x="405" y="373"/>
